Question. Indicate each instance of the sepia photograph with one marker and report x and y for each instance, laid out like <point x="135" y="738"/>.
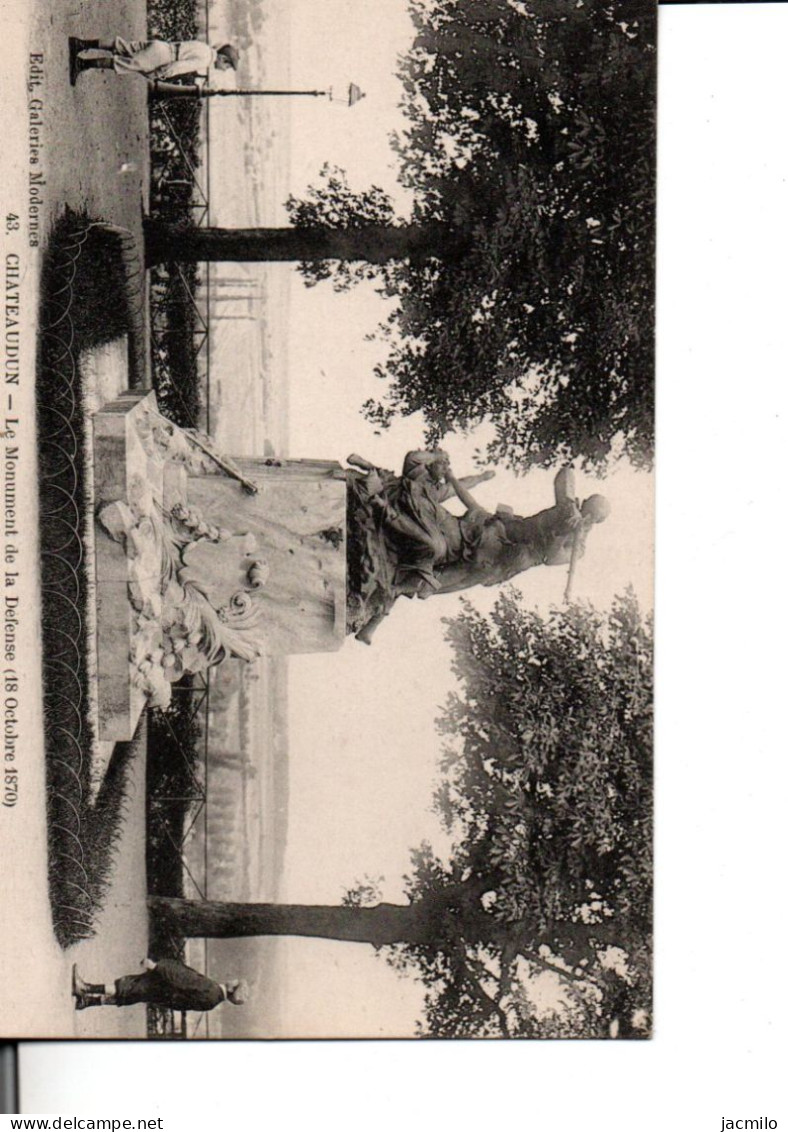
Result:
<point x="328" y="427"/>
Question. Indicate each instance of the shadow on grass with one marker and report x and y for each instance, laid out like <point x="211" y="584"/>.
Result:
<point x="84" y="303"/>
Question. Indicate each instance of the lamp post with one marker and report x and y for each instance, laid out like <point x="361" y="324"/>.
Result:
<point x="159" y="89"/>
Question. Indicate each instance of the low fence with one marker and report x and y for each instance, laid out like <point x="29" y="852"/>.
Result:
<point x="177" y="798"/>
<point x="180" y="139"/>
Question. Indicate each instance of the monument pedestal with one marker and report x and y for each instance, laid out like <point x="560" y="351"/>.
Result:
<point x="122" y="468"/>
<point x="200" y="557"/>
<point x="297" y="521"/>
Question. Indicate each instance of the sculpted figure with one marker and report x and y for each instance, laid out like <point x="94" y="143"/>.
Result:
<point x="431" y="551"/>
<point x="152" y="58"/>
<point x="424" y="535"/>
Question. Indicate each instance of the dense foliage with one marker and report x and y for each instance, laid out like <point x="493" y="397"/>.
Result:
<point x="530" y="147"/>
<point x="547" y="795"/>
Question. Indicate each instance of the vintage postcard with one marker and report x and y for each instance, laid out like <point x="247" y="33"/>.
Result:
<point x="328" y="431"/>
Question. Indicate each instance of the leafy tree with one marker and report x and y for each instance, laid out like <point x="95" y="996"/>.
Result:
<point x="547" y="793"/>
<point x="332" y="205"/>
<point x="548" y="790"/>
<point x="532" y="132"/>
<point x="530" y="153"/>
<point x="524" y="276"/>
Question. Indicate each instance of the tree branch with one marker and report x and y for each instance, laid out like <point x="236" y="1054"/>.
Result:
<point x="491" y="1005"/>
<point x="530" y="957"/>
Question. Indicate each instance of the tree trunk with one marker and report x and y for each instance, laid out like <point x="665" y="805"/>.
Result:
<point x="439" y="921"/>
<point x="372" y="243"/>
<point x="380" y="925"/>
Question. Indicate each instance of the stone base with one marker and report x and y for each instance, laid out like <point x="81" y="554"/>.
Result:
<point x="199" y="557"/>
<point x="119" y="462"/>
<point x="298" y="522"/>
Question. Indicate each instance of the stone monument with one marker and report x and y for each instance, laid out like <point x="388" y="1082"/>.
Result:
<point x="200" y="557"/>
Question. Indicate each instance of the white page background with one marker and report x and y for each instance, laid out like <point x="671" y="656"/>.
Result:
<point x="722" y="703"/>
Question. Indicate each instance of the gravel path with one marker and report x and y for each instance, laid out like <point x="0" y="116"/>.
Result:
<point x="94" y="156"/>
